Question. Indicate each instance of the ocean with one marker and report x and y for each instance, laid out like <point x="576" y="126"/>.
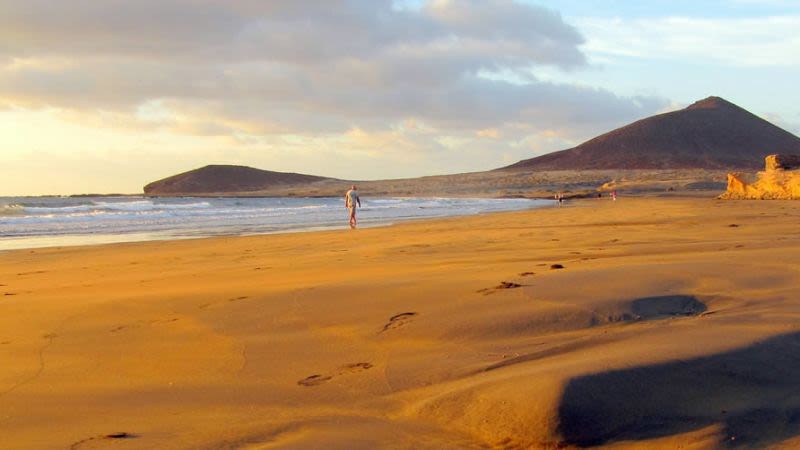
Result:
<point x="32" y="222"/>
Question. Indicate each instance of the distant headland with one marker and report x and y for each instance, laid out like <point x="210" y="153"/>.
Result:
<point x="692" y="148"/>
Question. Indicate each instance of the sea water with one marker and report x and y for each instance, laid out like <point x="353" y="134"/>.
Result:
<point x="28" y="222"/>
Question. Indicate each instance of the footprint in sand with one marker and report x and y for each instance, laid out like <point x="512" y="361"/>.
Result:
<point x="159" y="321"/>
<point x="140" y="323"/>
<point x="502" y="285"/>
<point x="526" y="274"/>
<point x="32" y="273"/>
<point x="556" y="266"/>
<point x="398" y="320"/>
<point x="110" y="436"/>
<point x="317" y="379"/>
<point x="122" y="435"/>
<point x="230" y="300"/>
<point x="355" y="367"/>
<point x="314" y="380"/>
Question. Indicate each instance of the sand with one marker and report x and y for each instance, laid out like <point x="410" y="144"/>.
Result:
<point x="642" y="323"/>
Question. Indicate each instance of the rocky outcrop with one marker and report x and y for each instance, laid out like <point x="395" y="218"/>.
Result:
<point x="782" y="162"/>
<point x="779" y="180"/>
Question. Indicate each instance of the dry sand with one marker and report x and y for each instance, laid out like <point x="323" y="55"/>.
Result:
<point x="672" y="324"/>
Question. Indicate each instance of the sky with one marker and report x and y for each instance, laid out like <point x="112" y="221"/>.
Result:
<point x="104" y="97"/>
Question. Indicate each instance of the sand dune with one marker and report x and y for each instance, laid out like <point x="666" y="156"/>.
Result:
<point x="670" y="323"/>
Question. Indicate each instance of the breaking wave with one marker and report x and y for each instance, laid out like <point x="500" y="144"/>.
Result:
<point x="22" y="218"/>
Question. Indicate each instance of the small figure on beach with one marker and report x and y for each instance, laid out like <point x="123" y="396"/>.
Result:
<point x="559" y="198"/>
<point x="351" y="199"/>
<point x="614" y="195"/>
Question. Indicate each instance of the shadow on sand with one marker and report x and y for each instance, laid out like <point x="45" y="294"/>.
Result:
<point x="667" y="306"/>
<point x="753" y="392"/>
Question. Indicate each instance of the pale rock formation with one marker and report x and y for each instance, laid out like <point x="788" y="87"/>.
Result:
<point x="779" y="180"/>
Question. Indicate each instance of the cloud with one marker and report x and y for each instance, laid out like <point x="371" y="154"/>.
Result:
<point x="300" y="31"/>
<point x="790" y="124"/>
<point x="735" y="42"/>
<point x="288" y="74"/>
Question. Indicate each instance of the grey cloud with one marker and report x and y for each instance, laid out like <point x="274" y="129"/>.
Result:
<point x="305" y="66"/>
<point x="298" y="30"/>
<point x="115" y="27"/>
<point x="111" y="84"/>
<point x="543" y="31"/>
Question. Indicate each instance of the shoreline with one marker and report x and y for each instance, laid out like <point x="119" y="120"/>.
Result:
<point x="92" y="239"/>
<point x="320" y="229"/>
<point x="503" y="329"/>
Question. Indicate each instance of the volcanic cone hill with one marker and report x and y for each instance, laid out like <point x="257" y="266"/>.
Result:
<point x="226" y="179"/>
<point x="709" y="134"/>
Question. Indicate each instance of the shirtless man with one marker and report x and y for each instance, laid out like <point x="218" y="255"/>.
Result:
<point x="351" y="199"/>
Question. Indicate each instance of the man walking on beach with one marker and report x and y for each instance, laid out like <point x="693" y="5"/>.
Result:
<point x="351" y="200"/>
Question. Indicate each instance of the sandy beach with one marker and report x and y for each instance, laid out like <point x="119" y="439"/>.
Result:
<point x="642" y="323"/>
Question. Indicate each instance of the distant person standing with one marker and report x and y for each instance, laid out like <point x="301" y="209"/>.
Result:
<point x="351" y="199"/>
<point x="614" y="195"/>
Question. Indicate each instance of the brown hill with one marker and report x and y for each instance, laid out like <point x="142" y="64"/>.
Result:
<point x="226" y="179"/>
<point x="709" y="134"/>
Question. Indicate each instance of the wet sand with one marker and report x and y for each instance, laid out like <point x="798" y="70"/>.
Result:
<point x="642" y="323"/>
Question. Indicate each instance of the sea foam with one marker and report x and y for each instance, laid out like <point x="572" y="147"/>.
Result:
<point x="29" y="219"/>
